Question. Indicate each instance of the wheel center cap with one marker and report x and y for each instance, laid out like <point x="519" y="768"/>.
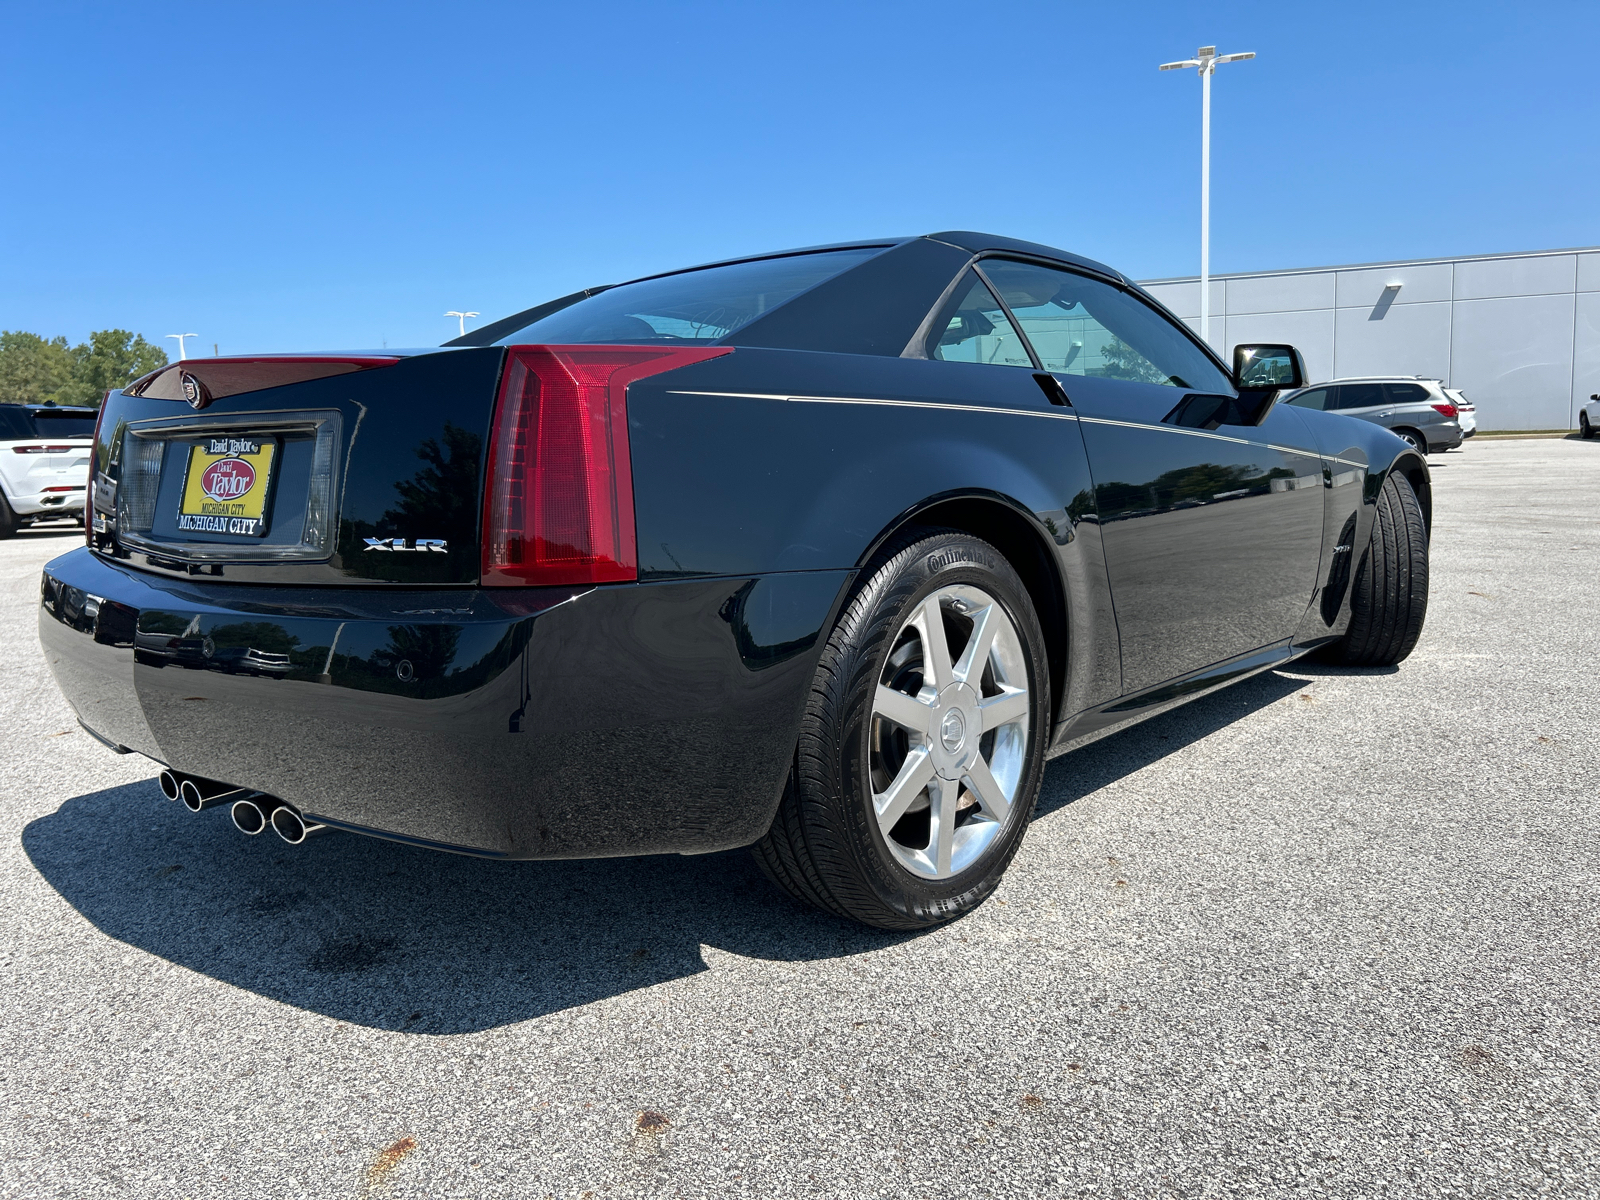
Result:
<point x="953" y="730"/>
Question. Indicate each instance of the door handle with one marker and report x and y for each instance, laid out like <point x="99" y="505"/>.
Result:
<point x="1051" y="386"/>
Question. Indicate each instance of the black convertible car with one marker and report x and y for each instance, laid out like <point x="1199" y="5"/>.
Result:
<point x="822" y="552"/>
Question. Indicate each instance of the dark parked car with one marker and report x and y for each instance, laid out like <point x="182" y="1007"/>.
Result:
<point x="823" y="553"/>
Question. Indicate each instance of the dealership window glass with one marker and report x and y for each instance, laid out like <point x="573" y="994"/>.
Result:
<point x="975" y="329"/>
<point x="1358" y="395"/>
<point x="690" y="306"/>
<point x="1081" y="326"/>
<point x="1316" y="398"/>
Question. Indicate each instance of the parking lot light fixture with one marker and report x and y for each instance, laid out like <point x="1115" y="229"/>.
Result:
<point x="1205" y="59"/>
<point x="462" y="318"/>
<point x="180" y="337"/>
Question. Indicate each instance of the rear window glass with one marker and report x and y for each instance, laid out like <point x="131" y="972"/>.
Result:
<point x="64" y="424"/>
<point x="1407" y="393"/>
<point x="14" y="423"/>
<point x="691" y="306"/>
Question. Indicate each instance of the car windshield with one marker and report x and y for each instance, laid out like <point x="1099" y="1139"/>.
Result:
<point x="690" y="306"/>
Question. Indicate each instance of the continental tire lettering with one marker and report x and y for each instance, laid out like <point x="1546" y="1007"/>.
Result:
<point x="951" y="558"/>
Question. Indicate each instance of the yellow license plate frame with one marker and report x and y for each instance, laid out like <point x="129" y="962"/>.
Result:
<point x="227" y="486"/>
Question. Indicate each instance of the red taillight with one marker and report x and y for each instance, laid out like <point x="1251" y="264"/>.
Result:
<point x="558" y="507"/>
<point x="1448" y="410"/>
<point x="43" y="449"/>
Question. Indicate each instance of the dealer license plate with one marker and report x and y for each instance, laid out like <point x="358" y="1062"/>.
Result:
<point x="226" y="487"/>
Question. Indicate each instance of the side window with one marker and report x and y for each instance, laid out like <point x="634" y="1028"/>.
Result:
<point x="1406" y="393"/>
<point x="1360" y="395"/>
<point x="1316" y="398"/>
<point x="975" y="329"/>
<point x="1081" y="326"/>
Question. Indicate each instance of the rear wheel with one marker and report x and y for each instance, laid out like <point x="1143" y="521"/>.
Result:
<point x="1413" y="439"/>
<point x="1585" y="429"/>
<point x="922" y="744"/>
<point x="9" y="523"/>
<point x="1390" y="597"/>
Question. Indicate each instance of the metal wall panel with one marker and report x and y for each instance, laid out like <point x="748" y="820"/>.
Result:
<point x="1403" y="339"/>
<point x="1280" y="293"/>
<point x="1513" y="357"/>
<point x="1519" y="333"/>
<point x="1311" y="332"/>
<point x="1533" y="275"/>
<point x="1586" y="352"/>
<point x="1184" y="298"/>
<point x="1420" y="285"/>
<point x="1589" y="272"/>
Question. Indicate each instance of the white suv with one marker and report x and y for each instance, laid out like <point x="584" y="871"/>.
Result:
<point x="44" y="462"/>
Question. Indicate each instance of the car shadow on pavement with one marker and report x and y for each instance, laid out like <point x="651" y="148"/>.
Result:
<point x="395" y="937"/>
<point x="1078" y="774"/>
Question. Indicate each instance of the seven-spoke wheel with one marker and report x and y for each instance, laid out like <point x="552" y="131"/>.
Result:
<point x="950" y="731"/>
<point x="923" y="740"/>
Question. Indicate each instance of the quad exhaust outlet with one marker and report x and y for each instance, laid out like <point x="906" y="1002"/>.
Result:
<point x="293" y="828"/>
<point x="252" y="812"/>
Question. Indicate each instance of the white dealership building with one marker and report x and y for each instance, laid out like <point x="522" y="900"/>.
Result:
<point x="1518" y="333"/>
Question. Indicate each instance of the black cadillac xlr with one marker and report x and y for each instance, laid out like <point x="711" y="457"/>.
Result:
<point x="822" y="552"/>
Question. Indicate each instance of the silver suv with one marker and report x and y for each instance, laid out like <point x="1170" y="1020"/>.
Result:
<point x="1415" y="408"/>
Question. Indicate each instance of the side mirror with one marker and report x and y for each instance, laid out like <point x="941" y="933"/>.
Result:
<point x="1268" y="367"/>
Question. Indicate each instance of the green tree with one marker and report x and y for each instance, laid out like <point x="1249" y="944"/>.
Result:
<point x="111" y="358"/>
<point x="32" y="368"/>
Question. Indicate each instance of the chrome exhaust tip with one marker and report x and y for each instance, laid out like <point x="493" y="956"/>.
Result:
<point x="200" y="794"/>
<point x="253" y="814"/>
<point x="288" y="824"/>
<point x="170" y="784"/>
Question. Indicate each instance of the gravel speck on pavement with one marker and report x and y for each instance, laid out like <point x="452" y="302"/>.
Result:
<point x="1326" y="933"/>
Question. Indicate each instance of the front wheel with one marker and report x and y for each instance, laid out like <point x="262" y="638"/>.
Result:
<point x="1390" y="597"/>
<point x="922" y="744"/>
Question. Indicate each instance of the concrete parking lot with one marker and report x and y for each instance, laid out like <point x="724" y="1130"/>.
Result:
<point x="1329" y="932"/>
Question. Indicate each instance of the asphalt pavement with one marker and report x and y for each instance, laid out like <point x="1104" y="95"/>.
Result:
<point x="1327" y="933"/>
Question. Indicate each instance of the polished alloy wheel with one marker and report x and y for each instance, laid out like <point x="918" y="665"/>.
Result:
<point x="949" y="732"/>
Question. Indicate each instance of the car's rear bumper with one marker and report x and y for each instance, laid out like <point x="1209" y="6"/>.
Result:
<point x="537" y="723"/>
<point x="34" y="504"/>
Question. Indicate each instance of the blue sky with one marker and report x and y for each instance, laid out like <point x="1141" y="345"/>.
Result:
<point x="280" y="177"/>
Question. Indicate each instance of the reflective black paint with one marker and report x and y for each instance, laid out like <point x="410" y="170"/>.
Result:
<point x="1171" y="543"/>
<point x="542" y="723"/>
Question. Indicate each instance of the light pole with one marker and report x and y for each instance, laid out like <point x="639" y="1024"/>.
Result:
<point x="180" y="337"/>
<point x="463" y="319"/>
<point x="1206" y="58"/>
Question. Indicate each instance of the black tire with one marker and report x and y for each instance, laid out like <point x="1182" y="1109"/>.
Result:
<point x="1413" y="439"/>
<point x="825" y="846"/>
<point x="1585" y="430"/>
<point x="1390" y="597"/>
<point x="9" y="523"/>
